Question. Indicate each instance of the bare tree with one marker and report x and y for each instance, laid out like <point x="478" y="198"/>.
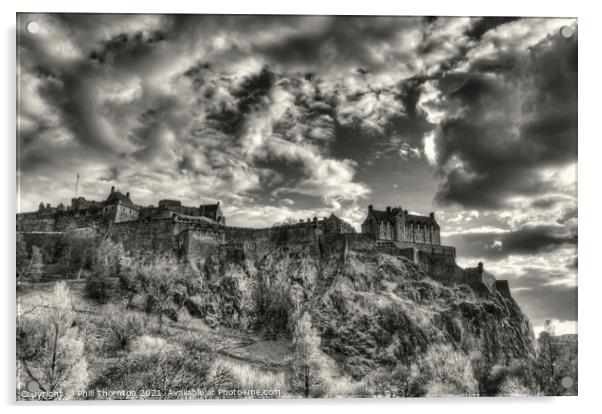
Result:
<point x="450" y="371"/>
<point x="400" y="381"/>
<point x="310" y="366"/>
<point x="49" y="350"/>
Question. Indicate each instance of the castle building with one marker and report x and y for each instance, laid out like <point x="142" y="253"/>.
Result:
<point x="120" y="206"/>
<point x="335" y="225"/>
<point x="398" y="225"/>
<point x="116" y="208"/>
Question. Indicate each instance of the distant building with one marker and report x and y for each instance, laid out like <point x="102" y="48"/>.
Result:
<point x="398" y="225"/>
<point x="117" y="208"/>
<point x="335" y="225"/>
<point x="120" y="206"/>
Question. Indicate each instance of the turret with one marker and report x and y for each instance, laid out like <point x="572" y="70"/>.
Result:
<point x="432" y="215"/>
<point x="480" y="267"/>
<point x="370" y="207"/>
<point x="112" y="189"/>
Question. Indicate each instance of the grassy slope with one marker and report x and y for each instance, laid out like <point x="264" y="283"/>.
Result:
<point x="249" y="355"/>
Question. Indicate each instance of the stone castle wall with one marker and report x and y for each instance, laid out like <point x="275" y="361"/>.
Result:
<point x="28" y="222"/>
<point x="150" y="236"/>
<point x="193" y="239"/>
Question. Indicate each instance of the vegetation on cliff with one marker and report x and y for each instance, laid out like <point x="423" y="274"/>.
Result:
<point x="306" y="320"/>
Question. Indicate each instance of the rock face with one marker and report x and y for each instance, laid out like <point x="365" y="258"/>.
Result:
<point x="370" y="308"/>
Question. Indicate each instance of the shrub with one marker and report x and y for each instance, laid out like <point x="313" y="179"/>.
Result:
<point x="167" y="373"/>
<point x="98" y="287"/>
<point x="148" y="345"/>
<point x="195" y="306"/>
<point x="345" y="387"/>
<point x="449" y="372"/>
<point x="513" y="387"/>
<point x="123" y="325"/>
<point x="273" y="305"/>
<point x="162" y="281"/>
<point x="400" y="381"/>
<point x="251" y="378"/>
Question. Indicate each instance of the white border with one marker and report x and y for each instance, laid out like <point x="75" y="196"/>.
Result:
<point x="590" y="338"/>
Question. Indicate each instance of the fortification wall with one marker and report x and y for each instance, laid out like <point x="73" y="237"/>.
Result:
<point x="295" y="233"/>
<point x="34" y="223"/>
<point x="234" y="234"/>
<point x="503" y="288"/>
<point x="156" y="236"/>
<point x="194" y="244"/>
<point x="434" y="250"/>
<point x="43" y="240"/>
<point x="28" y="222"/>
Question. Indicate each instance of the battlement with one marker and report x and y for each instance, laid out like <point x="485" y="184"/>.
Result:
<point x="193" y="231"/>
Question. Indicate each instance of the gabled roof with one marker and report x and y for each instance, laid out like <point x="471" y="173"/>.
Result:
<point x="413" y="218"/>
<point x="383" y="215"/>
<point x="209" y="208"/>
<point x="116" y="196"/>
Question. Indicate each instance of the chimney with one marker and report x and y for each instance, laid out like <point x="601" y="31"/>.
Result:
<point x="127" y="194"/>
<point x="112" y="189"/>
<point x="48" y="205"/>
<point x="315" y="219"/>
<point x="370" y="207"/>
<point x="405" y="212"/>
<point x="432" y="215"/>
<point x="388" y="209"/>
<point x="480" y="267"/>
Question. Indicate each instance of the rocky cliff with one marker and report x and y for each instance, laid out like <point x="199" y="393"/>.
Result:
<point x="370" y="308"/>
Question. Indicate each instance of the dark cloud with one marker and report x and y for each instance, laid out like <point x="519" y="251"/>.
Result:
<point x="548" y="302"/>
<point x="501" y="131"/>
<point x="482" y="25"/>
<point x="527" y="240"/>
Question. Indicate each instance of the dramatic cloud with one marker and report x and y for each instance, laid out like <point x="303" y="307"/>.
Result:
<point x="505" y="116"/>
<point x="300" y="116"/>
<point x="502" y="243"/>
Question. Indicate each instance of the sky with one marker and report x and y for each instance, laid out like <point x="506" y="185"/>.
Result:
<point x="474" y="119"/>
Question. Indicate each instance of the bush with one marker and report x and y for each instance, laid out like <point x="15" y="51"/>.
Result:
<point x="167" y="373"/>
<point x="273" y="306"/>
<point x="98" y="287"/>
<point x="195" y="306"/>
<point x="123" y="325"/>
<point x="345" y="387"/>
<point x="400" y="381"/>
<point x="162" y="281"/>
<point x="513" y="387"/>
<point x="449" y="372"/>
<point x="148" y="345"/>
<point x="251" y="378"/>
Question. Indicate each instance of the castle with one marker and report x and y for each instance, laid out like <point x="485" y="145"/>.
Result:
<point x="189" y="231"/>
